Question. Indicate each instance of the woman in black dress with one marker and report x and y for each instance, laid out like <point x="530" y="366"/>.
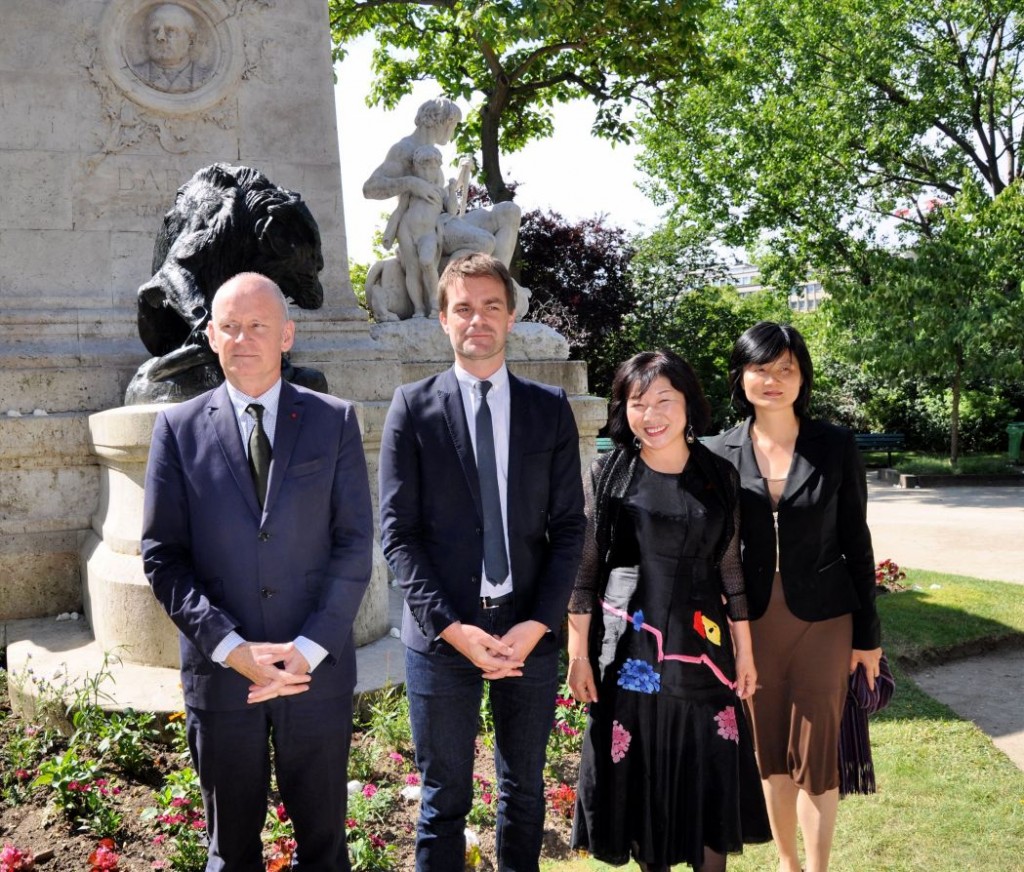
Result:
<point x="659" y="643"/>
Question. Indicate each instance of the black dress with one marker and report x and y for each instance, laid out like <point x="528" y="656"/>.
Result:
<point x="668" y="765"/>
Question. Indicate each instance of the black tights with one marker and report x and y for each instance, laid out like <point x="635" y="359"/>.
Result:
<point x="713" y="862"/>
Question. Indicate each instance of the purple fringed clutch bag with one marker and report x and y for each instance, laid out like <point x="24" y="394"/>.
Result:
<point x="856" y="769"/>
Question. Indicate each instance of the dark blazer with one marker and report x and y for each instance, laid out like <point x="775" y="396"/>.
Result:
<point x="430" y="515"/>
<point x="218" y="563"/>
<point x="826" y="561"/>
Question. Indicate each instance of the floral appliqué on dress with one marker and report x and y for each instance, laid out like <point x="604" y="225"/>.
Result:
<point x="640" y="676"/>
<point x="727" y="728"/>
<point x="620" y="741"/>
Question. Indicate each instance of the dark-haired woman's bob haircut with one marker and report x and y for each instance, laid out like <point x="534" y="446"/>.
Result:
<point x="635" y="376"/>
<point x="763" y="343"/>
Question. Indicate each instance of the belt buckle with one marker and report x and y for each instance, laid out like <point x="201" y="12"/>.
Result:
<point x="487" y="602"/>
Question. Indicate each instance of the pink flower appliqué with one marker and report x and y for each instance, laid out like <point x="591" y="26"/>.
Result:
<point x="727" y="728"/>
<point x="620" y="741"/>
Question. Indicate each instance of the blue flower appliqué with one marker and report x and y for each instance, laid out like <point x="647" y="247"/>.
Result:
<point x="638" y="620"/>
<point x="640" y="676"/>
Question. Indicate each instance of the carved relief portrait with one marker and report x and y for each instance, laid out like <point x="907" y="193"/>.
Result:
<point x="178" y="58"/>
<point x="171" y="60"/>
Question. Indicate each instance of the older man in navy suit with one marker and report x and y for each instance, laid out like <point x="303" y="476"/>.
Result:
<point x="482" y="522"/>
<point x="257" y="537"/>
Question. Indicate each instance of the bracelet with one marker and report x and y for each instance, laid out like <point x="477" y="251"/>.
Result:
<point x="574" y="659"/>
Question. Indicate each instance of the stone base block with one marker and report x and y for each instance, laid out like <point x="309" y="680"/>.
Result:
<point x="119" y="604"/>
<point x="39" y="574"/>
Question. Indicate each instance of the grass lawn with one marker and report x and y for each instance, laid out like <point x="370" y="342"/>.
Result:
<point x="919" y="463"/>
<point x="948" y="801"/>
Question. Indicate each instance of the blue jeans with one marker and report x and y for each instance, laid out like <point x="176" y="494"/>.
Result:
<point x="444" y="708"/>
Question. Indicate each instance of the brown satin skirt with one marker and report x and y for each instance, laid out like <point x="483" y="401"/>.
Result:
<point x="802" y="673"/>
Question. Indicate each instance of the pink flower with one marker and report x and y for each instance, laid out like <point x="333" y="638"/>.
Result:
<point x="412" y="778"/>
<point x="486" y="797"/>
<point x="370" y="790"/>
<point x="159" y="840"/>
<point x="282" y="814"/>
<point x="377" y="841"/>
<point x="621" y="738"/>
<point x="351" y="823"/>
<point x="727" y="728"/>
<point x="395" y="757"/>
<point x="13" y="859"/>
<point x="22" y="774"/>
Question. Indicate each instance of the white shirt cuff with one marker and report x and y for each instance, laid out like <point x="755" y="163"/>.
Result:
<point x="231" y="641"/>
<point x="309" y="649"/>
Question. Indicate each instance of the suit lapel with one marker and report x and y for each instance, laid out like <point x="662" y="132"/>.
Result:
<point x="516" y="443"/>
<point x="225" y="427"/>
<point x="450" y="397"/>
<point x="745" y="461"/>
<point x="286" y="432"/>
<point x="805" y="458"/>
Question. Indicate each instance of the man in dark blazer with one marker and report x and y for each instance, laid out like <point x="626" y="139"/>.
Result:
<point x="482" y="523"/>
<point x="257" y="538"/>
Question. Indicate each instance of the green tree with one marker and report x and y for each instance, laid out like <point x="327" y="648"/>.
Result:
<point x="832" y="135"/>
<point x="578" y="275"/>
<point x="517" y="58"/>
<point x="950" y="311"/>
<point x="684" y="303"/>
<point x="817" y="122"/>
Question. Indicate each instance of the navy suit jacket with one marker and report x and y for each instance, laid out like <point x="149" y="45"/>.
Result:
<point x="218" y="563"/>
<point x="432" y="522"/>
<point x="825" y="555"/>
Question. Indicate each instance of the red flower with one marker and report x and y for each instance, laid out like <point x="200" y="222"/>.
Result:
<point x="104" y="858"/>
<point x="377" y="841"/>
<point x="282" y="815"/>
<point x="281" y="855"/>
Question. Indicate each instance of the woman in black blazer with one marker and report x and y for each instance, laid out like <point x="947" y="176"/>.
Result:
<point x="810" y="578"/>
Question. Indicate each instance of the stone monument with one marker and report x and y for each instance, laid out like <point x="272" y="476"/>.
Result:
<point x="109" y="107"/>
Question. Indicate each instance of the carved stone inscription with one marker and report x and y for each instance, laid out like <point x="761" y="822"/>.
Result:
<point x="126" y="191"/>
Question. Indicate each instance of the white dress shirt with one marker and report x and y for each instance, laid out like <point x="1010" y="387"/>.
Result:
<point x="270" y="400"/>
<point x="500" y="404"/>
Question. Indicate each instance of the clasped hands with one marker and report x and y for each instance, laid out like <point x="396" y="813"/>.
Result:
<point x="495" y="656"/>
<point x="274" y="668"/>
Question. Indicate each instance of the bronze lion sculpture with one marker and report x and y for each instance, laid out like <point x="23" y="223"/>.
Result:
<point x="225" y="220"/>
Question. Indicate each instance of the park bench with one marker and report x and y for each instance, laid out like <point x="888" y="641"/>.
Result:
<point x="879" y="442"/>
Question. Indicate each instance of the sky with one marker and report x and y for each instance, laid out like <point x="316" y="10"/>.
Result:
<point x="573" y="172"/>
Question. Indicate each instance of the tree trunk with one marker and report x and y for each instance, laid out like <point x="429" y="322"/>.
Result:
<point x="954" y="416"/>
<point x="490" y="120"/>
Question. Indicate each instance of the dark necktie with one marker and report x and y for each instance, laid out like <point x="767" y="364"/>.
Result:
<point x="260" y="453"/>
<point x="495" y="556"/>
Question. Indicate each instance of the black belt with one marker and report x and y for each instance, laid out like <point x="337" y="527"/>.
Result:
<point x="492" y="602"/>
